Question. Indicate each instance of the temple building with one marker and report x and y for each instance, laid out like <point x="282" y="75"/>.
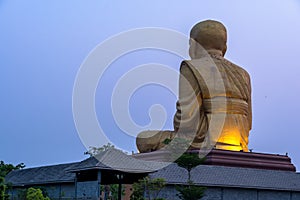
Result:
<point x="275" y="179"/>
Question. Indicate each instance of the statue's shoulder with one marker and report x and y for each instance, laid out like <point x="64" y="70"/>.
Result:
<point x="199" y="67"/>
<point x="187" y="65"/>
<point x="236" y="67"/>
<point x="198" y="63"/>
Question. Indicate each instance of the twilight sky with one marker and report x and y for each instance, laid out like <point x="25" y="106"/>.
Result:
<point x="44" y="43"/>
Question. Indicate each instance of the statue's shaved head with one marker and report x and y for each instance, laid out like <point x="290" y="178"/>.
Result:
<point x="210" y="34"/>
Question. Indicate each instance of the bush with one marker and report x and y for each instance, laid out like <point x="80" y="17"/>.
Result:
<point x="190" y="192"/>
<point x="35" y="194"/>
<point x="150" y="187"/>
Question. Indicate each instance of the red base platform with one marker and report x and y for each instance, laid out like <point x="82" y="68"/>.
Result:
<point x="231" y="159"/>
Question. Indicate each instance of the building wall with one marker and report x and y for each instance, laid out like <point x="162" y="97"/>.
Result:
<point x="168" y="192"/>
<point x="68" y="191"/>
<point x="270" y="195"/>
<point x="60" y="191"/>
<point x="295" y="195"/>
<point x="217" y="193"/>
<point x="246" y="194"/>
<point x="54" y="191"/>
<point x="213" y="194"/>
<point x="87" y="189"/>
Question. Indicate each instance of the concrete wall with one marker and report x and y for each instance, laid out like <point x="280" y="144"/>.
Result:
<point x="252" y="194"/>
<point x="67" y="191"/>
<point x="270" y="195"/>
<point x="213" y="194"/>
<point x="245" y="194"/>
<point x="60" y="191"/>
<point x="169" y="192"/>
<point x="87" y="189"/>
<point x="54" y="191"/>
<point x="217" y="193"/>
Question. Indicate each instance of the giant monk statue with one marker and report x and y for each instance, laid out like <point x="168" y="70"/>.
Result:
<point x="214" y="103"/>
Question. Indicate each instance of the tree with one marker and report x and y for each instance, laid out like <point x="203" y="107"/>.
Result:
<point x="189" y="161"/>
<point x="112" y="191"/>
<point x="4" y="170"/>
<point x="96" y="150"/>
<point x="3" y="188"/>
<point x="189" y="191"/>
<point x="35" y="194"/>
<point x="150" y="187"/>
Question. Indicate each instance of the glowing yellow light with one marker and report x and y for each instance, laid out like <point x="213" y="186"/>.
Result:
<point x="229" y="140"/>
<point x="229" y="148"/>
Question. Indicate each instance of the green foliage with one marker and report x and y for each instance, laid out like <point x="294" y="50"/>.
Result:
<point x="21" y="193"/>
<point x="4" y="170"/>
<point x="190" y="192"/>
<point x="138" y="191"/>
<point x="189" y="160"/>
<point x="3" y="189"/>
<point x="35" y="194"/>
<point x="96" y="150"/>
<point x="150" y="187"/>
<point x="112" y="190"/>
<point x="167" y="141"/>
<point x="178" y="146"/>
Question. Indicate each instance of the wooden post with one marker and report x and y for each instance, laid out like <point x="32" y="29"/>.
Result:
<point x="99" y="184"/>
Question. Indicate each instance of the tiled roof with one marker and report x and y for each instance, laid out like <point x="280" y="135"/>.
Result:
<point x="114" y="159"/>
<point x="209" y="175"/>
<point x="109" y="160"/>
<point x="205" y="175"/>
<point x="41" y="175"/>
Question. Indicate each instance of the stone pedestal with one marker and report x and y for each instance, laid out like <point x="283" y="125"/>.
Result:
<point x="231" y="159"/>
<point x="249" y="160"/>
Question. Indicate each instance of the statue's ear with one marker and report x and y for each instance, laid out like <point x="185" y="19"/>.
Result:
<point x="224" y="50"/>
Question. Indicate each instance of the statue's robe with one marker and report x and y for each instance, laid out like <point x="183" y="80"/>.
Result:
<point x="214" y="105"/>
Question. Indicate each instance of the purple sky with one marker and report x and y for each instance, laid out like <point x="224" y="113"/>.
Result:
<point x="43" y="44"/>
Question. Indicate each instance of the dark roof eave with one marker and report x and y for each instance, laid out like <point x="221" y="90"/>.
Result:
<point x="236" y="186"/>
<point x="86" y="168"/>
<point x="108" y="168"/>
<point x="41" y="183"/>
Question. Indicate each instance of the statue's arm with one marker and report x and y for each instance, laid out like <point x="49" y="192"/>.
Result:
<point x="188" y="99"/>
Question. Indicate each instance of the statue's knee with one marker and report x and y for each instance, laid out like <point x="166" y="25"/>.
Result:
<point x="148" y="141"/>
